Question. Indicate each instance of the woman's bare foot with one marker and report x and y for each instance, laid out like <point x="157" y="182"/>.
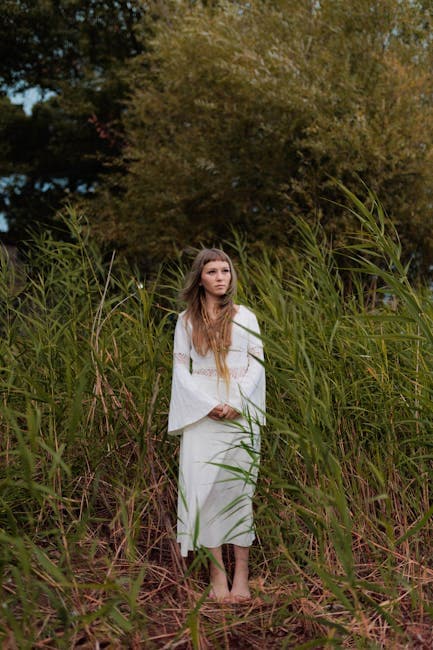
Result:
<point x="219" y="592"/>
<point x="217" y="576"/>
<point x="240" y="591"/>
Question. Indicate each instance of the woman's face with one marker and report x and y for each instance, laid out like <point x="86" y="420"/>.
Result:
<point x="215" y="278"/>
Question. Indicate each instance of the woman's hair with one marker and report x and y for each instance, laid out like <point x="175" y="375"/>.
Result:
<point x="207" y="333"/>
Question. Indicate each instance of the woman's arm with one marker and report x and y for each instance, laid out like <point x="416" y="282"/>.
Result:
<point x="188" y="402"/>
<point x="251" y="398"/>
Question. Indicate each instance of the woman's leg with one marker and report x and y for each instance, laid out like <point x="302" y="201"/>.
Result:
<point x="217" y="574"/>
<point x="240" y="587"/>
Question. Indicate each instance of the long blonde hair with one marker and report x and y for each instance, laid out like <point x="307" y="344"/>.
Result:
<point x="207" y="333"/>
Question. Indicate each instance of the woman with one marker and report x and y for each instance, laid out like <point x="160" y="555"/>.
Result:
<point x="217" y="404"/>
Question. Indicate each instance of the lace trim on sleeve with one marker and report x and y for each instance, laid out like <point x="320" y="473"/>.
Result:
<point x="255" y="350"/>
<point x="180" y="357"/>
<point x="235" y="373"/>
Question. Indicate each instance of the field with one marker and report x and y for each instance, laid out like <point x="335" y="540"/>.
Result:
<point x="88" y="474"/>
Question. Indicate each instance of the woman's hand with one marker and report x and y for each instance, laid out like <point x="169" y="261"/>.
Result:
<point x="223" y="412"/>
<point x="216" y="413"/>
<point x="229" y="413"/>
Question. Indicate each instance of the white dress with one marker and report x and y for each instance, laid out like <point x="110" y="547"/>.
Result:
<point x="218" y="459"/>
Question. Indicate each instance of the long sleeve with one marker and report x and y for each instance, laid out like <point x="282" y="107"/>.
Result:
<point x="250" y="398"/>
<point x="188" y="402"/>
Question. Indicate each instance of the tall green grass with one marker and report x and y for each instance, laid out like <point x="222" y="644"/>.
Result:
<point x="84" y="383"/>
<point x="88" y="475"/>
<point x="350" y="389"/>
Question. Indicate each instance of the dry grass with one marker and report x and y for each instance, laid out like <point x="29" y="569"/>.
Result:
<point x="170" y="611"/>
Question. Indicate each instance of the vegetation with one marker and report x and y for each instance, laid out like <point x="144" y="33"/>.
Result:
<point x="72" y="54"/>
<point x="343" y="503"/>
<point x="242" y="113"/>
<point x="173" y="121"/>
<point x="171" y="124"/>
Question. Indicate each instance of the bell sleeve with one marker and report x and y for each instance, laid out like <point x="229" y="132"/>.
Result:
<point x="188" y="402"/>
<point x="250" y="399"/>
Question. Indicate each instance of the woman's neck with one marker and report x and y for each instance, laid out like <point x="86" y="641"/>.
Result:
<point x="212" y="306"/>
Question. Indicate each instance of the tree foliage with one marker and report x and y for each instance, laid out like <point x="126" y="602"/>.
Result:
<point x="243" y="114"/>
<point x="173" y="121"/>
<point x="73" y="54"/>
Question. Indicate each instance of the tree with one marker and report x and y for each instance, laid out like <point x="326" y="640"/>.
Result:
<point x="74" y="54"/>
<point x="243" y="113"/>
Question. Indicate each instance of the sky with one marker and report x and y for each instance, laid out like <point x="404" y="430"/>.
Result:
<point x="27" y="99"/>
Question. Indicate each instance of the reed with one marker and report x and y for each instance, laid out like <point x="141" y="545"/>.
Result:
<point x="88" y="474"/>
